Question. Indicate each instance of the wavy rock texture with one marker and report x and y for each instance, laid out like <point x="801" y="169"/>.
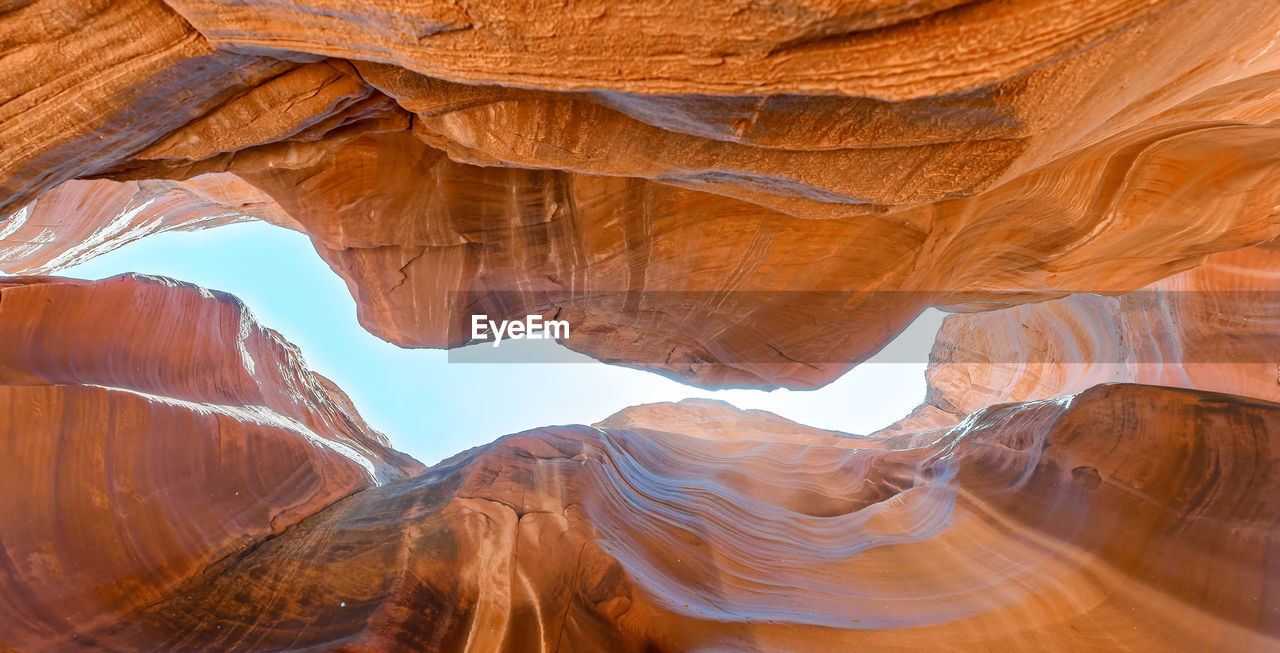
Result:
<point x="39" y="239"/>
<point x="730" y="193"/>
<point x="601" y="160"/>
<point x="88" y="83"/>
<point x="1211" y="328"/>
<point x="141" y="448"/>
<point x="1100" y="520"/>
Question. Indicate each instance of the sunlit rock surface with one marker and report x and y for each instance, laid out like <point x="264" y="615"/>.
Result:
<point x="729" y="193"/>
<point x="1216" y="327"/>
<point x="105" y="215"/>
<point x="150" y="429"/>
<point x="1099" y="520"/>
<point x="629" y="167"/>
<point x="198" y="489"/>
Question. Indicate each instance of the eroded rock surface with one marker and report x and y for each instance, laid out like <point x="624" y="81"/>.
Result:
<point x="142" y="446"/>
<point x="1210" y="328"/>
<point x="1102" y="520"/>
<point x="199" y="489"/>
<point x="729" y="193"/>
<point x="641" y="174"/>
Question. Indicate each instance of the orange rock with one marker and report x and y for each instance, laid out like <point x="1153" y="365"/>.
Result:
<point x="87" y="84"/>
<point x="591" y="162"/>
<point x="79" y="220"/>
<point x="1211" y="328"/>
<point x="149" y="430"/>
<point x="730" y="193"/>
<point x="640" y="268"/>
<point x="1105" y="519"/>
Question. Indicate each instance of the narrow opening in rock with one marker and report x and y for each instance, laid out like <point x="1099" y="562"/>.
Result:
<point x="431" y="408"/>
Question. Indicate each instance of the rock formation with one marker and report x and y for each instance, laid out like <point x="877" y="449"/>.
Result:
<point x="1047" y="525"/>
<point x="1211" y="328"/>
<point x="142" y="447"/>
<point x="907" y="154"/>
<point x="730" y="193"/>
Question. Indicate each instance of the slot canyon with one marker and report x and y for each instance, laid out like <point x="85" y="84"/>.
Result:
<point x="731" y="194"/>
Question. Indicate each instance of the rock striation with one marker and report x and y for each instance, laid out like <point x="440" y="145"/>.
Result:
<point x="642" y="176"/>
<point x="1100" y="520"/>
<point x="730" y="193"/>
<point x="142" y="450"/>
<point x="200" y="489"/>
<point x="1210" y="328"/>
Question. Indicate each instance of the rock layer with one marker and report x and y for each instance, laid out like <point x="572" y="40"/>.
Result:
<point x="1211" y="328"/>
<point x="140" y="451"/>
<point x="1098" y="520"/>
<point x="202" y="490"/>
<point x="730" y="193"/>
<point x="891" y="150"/>
<point x="89" y="83"/>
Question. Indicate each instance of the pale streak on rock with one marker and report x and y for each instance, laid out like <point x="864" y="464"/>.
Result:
<point x="1051" y="525"/>
<point x="1072" y="170"/>
<point x="1211" y="328"/>
<point x="142" y="453"/>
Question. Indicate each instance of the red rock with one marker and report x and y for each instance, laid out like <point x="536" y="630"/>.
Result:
<point x="729" y="193"/>
<point x="1211" y="328"/>
<point x="1104" y="519"/>
<point x="86" y="84"/>
<point x="79" y="220"/>
<point x="142" y="447"/>
<point x="610" y="161"/>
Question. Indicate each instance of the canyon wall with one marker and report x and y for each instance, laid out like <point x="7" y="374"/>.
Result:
<point x="732" y="194"/>
<point x="144" y="446"/>
<point x="869" y="159"/>
<point x="1099" y="520"/>
<point x="1211" y="328"/>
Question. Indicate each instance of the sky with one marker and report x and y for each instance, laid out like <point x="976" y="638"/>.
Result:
<point x="431" y="408"/>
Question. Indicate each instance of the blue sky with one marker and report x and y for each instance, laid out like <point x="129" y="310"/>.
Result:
<point x="431" y="408"/>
